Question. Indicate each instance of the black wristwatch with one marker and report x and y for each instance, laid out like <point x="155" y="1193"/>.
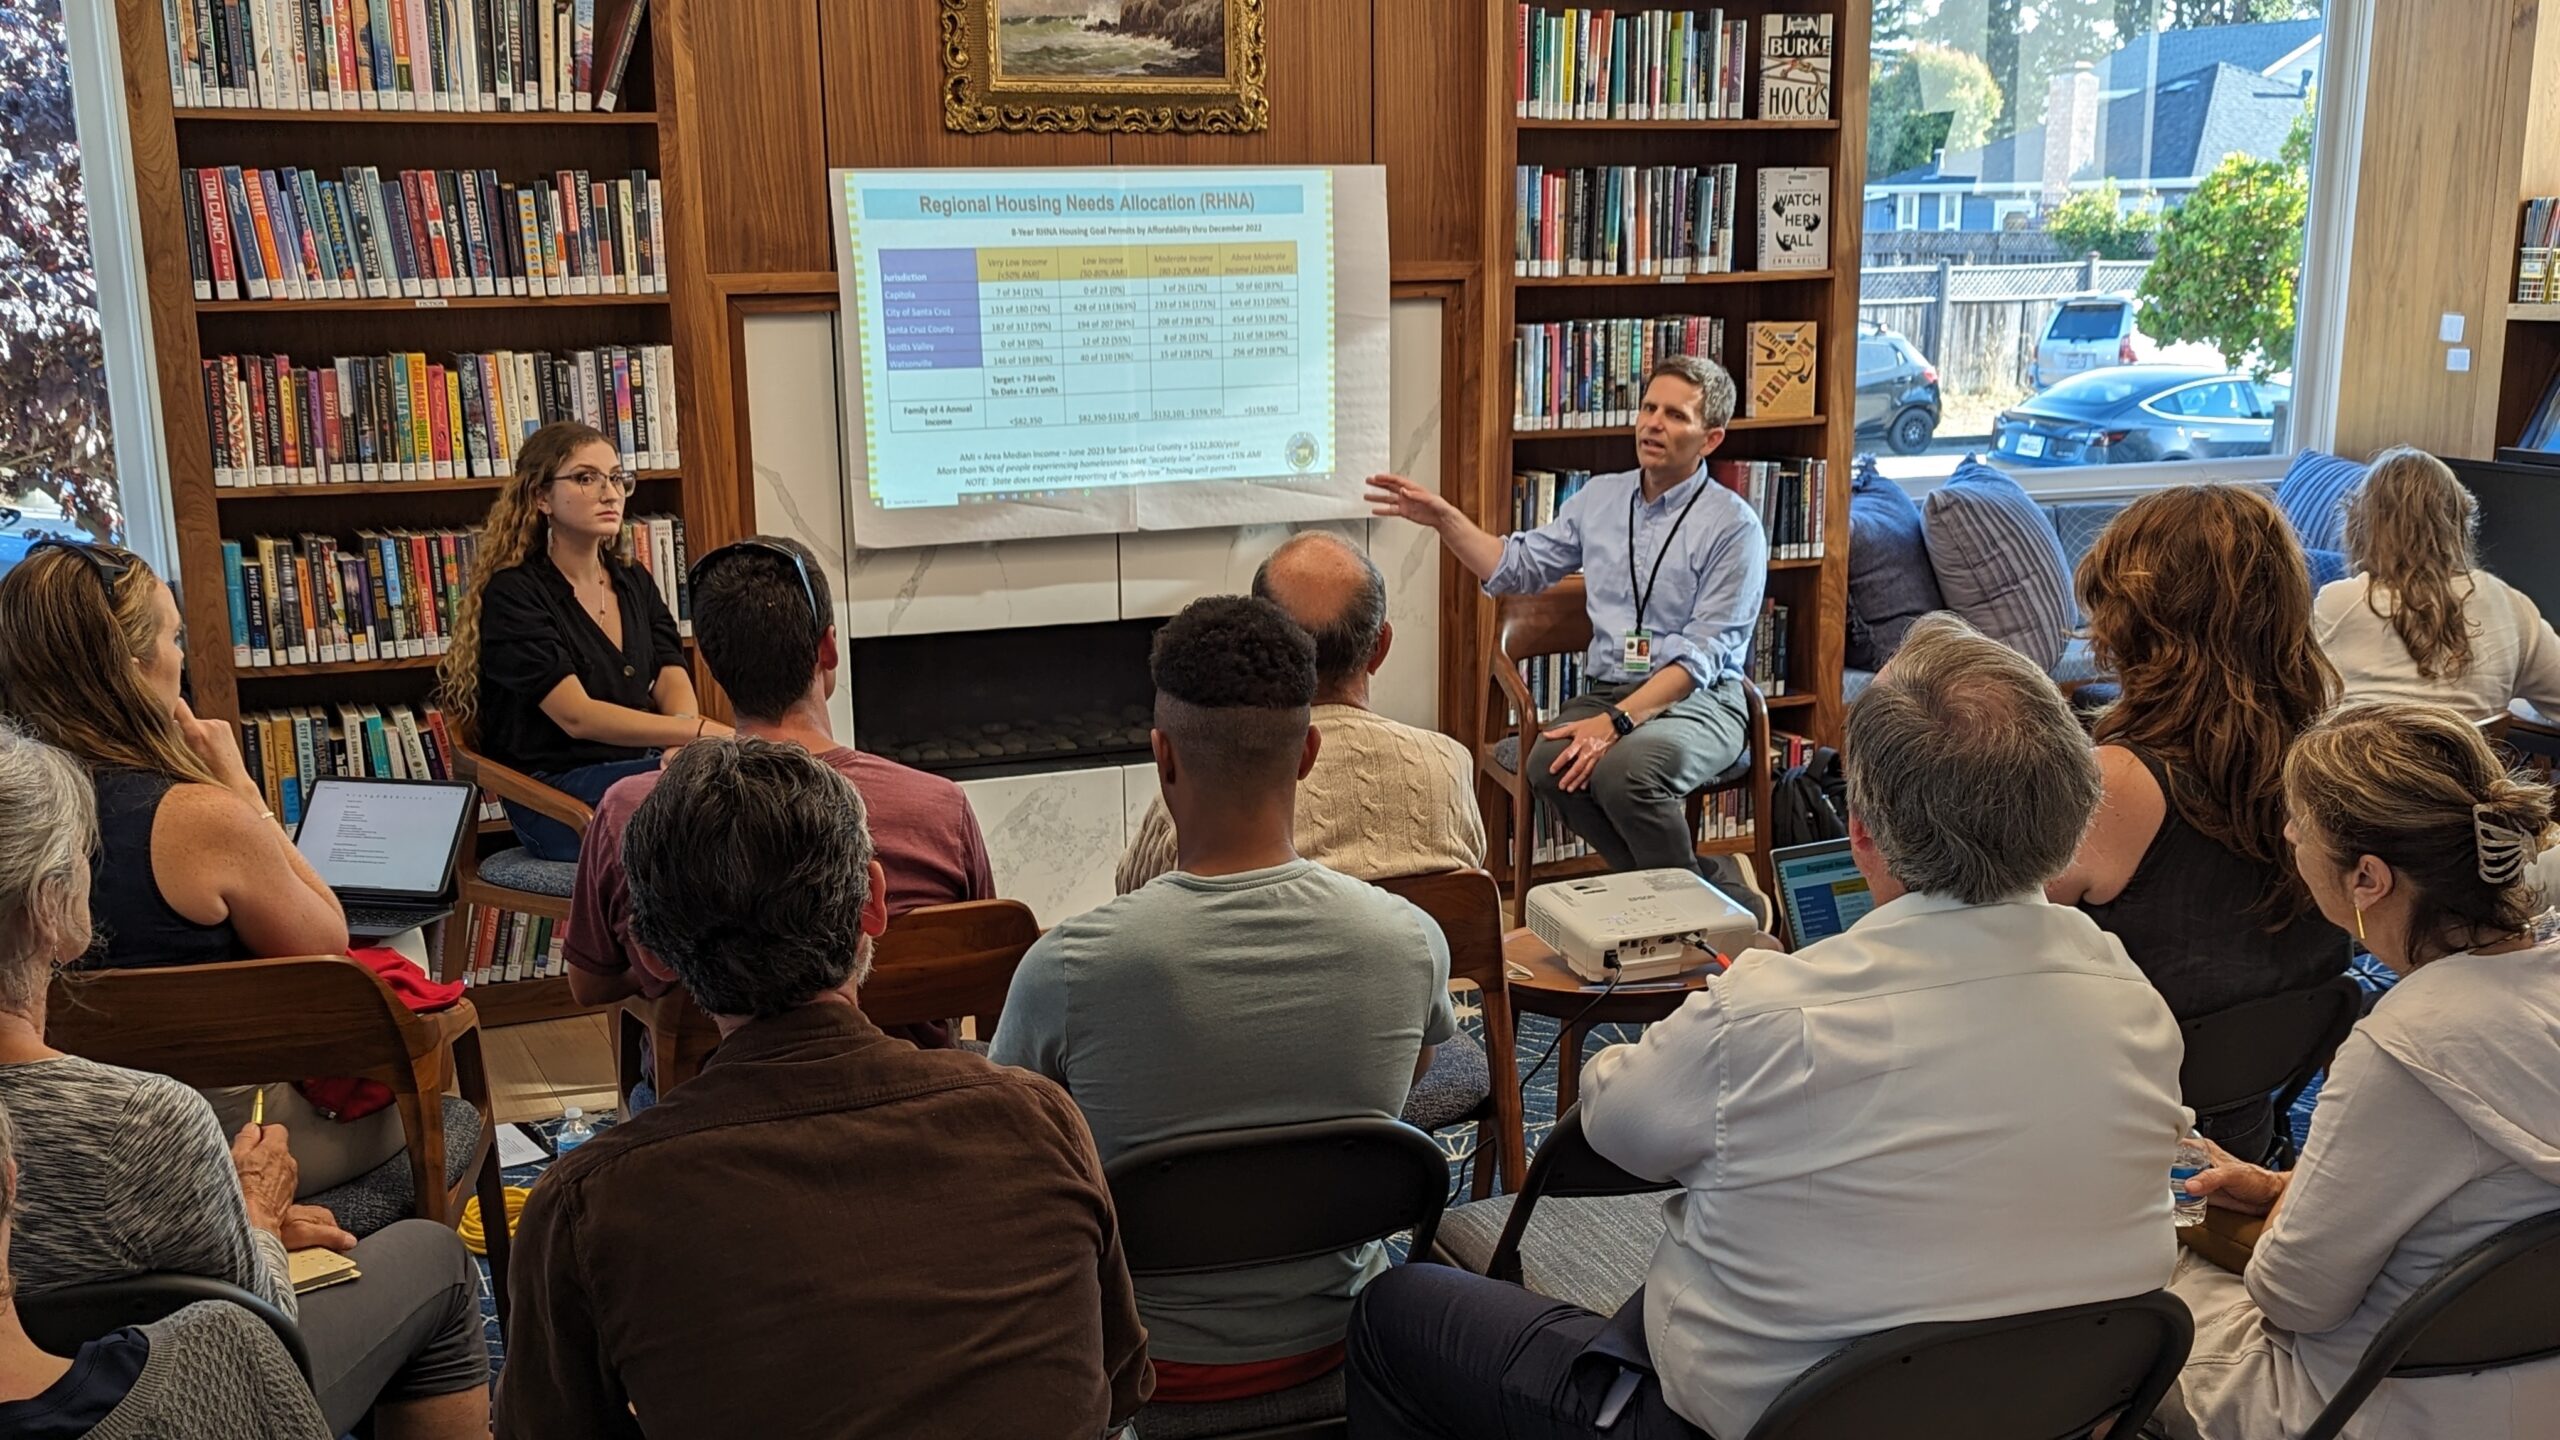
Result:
<point x="1618" y="719"/>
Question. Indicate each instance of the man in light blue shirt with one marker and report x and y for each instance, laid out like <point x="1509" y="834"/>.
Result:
<point x="1674" y="565"/>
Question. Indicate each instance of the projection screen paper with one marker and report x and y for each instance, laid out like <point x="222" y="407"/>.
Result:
<point x="1075" y="352"/>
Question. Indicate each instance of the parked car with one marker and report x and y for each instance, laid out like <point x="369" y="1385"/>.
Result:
<point x="2089" y="332"/>
<point x="1897" y="390"/>
<point x="2131" y="413"/>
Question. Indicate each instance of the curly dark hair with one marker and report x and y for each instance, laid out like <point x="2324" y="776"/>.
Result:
<point x="1228" y="652"/>
<point x="1234" y="679"/>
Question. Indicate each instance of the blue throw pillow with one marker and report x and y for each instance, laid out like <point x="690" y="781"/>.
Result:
<point x="1890" y="582"/>
<point x="2313" y="496"/>
<point x="1998" y="562"/>
<point x="2326" y="566"/>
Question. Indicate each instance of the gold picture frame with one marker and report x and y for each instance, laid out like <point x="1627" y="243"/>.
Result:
<point x="1051" y="66"/>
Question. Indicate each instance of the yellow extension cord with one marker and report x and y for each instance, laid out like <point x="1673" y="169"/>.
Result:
<point x="473" y="1236"/>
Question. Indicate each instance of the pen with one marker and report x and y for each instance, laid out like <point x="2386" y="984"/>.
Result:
<point x="258" y="1106"/>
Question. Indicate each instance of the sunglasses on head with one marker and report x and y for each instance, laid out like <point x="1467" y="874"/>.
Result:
<point x="108" y="568"/>
<point x="799" y="567"/>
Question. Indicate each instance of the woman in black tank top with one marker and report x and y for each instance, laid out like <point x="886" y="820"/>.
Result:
<point x="2199" y="599"/>
<point x="90" y="663"/>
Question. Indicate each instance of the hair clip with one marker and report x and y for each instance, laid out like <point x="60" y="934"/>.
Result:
<point x="2503" y="850"/>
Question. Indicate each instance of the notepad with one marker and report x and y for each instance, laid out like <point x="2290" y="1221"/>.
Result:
<point x="318" y="1269"/>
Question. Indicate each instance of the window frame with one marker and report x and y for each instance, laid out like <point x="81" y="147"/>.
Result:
<point x="2319" y="361"/>
<point x="124" y="312"/>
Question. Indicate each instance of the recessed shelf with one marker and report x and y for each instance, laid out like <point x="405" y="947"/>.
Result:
<point x="625" y="119"/>
<point x="1739" y="422"/>
<point x="1811" y="125"/>
<point x="404" y="303"/>
<point x="1722" y="277"/>
<point x="379" y="487"/>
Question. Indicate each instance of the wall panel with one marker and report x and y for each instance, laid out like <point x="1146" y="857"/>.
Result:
<point x="757" y="99"/>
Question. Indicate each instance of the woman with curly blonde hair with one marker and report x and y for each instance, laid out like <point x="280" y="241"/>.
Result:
<point x="2199" y="599"/>
<point x="565" y="662"/>
<point x="2420" y="620"/>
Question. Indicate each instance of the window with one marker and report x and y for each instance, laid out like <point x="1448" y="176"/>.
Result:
<point x="58" y="471"/>
<point x="2153" y="150"/>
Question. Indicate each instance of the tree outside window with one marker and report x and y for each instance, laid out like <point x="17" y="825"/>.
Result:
<point x="56" y="459"/>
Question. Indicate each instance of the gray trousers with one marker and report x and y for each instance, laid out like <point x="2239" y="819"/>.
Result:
<point x="407" y="1330"/>
<point x="1634" y="811"/>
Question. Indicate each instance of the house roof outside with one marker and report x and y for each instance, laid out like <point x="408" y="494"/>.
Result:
<point x="2161" y="135"/>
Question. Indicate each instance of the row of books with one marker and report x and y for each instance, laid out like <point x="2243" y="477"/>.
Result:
<point x="309" y="600"/>
<point x="2538" y="253"/>
<point x="1767" y="664"/>
<point x="1624" y="220"/>
<point x="1579" y="374"/>
<point x="289" y="234"/>
<point x="1787" y="495"/>
<point x="287" y="750"/>
<point x="1581" y="63"/>
<point x="453" y="55"/>
<point x="369" y="419"/>
<point x="511" y="945"/>
<point x="389" y="594"/>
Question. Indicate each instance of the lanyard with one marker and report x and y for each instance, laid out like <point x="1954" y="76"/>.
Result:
<point x="1644" y="596"/>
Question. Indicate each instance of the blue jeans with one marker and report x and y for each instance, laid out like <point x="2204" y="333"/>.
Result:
<point x="547" y="838"/>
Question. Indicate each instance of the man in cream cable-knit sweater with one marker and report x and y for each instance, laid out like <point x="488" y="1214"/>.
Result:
<point x="1384" y="798"/>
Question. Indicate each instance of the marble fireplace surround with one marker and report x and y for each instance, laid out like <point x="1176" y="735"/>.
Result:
<point x="1054" y="836"/>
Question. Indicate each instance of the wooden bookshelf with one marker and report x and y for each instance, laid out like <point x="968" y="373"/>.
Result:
<point x="168" y="138"/>
<point x="1815" y="591"/>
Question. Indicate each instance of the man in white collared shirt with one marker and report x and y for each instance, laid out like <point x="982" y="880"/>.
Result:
<point x="1850" y="1125"/>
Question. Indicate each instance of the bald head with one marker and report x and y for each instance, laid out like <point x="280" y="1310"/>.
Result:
<point x="1328" y="586"/>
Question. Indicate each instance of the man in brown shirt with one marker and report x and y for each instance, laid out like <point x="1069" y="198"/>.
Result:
<point x="829" y="1232"/>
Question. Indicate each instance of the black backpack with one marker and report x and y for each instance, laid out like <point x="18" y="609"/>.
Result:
<point x="1809" y="801"/>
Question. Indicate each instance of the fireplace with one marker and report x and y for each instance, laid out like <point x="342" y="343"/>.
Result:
<point x="977" y="704"/>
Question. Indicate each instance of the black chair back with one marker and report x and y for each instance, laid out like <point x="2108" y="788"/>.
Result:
<point x="61" y="1321"/>
<point x="2052" y="1375"/>
<point x="2269" y="1046"/>
<point x="1565" y="1168"/>
<point x="2491" y="1308"/>
<point x="1228" y="1199"/>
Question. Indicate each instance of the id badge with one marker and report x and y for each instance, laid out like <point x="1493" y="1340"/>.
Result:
<point x="1636" y="656"/>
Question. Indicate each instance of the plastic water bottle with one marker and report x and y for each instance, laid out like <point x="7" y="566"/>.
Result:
<point x="575" y="1131"/>
<point x="2192" y="1160"/>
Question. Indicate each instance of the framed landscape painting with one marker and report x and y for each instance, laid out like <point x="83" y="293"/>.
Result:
<point x="1134" y="65"/>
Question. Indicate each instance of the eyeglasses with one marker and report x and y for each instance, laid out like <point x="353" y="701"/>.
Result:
<point x="108" y="568"/>
<point x="799" y="566"/>
<point x="621" y="482"/>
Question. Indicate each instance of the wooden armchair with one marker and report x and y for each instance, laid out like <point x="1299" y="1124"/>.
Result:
<point x="1557" y="621"/>
<point x="256" y="1022"/>
<point x="681" y="1037"/>
<point x="1468" y="908"/>
<point x="511" y="879"/>
<point x="942" y="961"/>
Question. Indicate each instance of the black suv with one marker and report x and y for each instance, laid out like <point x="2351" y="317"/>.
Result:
<point x="1897" y="390"/>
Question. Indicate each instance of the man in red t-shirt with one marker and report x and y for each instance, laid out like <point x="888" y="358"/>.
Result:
<point x="762" y="616"/>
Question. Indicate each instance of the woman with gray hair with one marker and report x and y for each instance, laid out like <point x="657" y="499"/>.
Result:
<point x="125" y="1172"/>
<point x="209" y="1372"/>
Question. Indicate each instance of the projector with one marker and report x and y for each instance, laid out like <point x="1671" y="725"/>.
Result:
<point x="1643" y="925"/>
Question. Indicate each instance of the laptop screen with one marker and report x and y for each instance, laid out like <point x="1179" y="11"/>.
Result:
<point x="1821" y="888"/>
<point x="384" y="837"/>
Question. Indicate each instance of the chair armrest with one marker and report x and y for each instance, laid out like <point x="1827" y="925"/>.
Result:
<point x="532" y="794"/>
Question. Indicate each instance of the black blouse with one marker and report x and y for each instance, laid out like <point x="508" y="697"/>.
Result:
<point x="534" y="634"/>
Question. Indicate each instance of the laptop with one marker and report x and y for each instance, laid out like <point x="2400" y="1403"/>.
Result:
<point x="387" y="848"/>
<point x="1820" y="890"/>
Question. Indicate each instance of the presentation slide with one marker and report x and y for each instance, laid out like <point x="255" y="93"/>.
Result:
<point x="1075" y="352"/>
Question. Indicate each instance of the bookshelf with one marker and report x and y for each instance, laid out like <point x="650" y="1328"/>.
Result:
<point x="514" y="146"/>
<point x="1812" y="589"/>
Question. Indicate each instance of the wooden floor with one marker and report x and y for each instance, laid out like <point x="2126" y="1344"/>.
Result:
<point x="536" y="1070"/>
